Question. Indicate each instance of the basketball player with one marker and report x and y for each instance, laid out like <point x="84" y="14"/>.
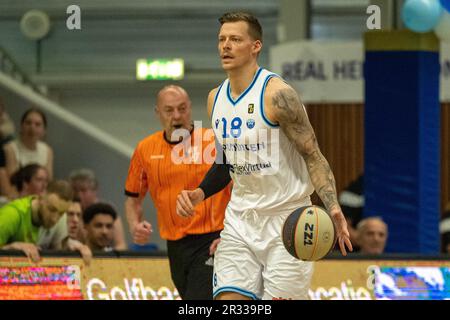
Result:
<point x="190" y="243"/>
<point x="251" y="261"/>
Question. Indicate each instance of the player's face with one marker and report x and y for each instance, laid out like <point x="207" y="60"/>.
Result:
<point x="236" y="47"/>
<point x="100" y="231"/>
<point x="51" y="209"/>
<point x="174" y="111"/>
<point x="38" y="183"/>
<point x="74" y="219"/>
<point x="33" y="126"/>
<point x="373" y="238"/>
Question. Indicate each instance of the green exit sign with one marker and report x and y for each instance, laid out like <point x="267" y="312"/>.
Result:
<point x="160" y="69"/>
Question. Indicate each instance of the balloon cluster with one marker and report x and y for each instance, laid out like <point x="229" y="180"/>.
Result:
<point x="427" y="15"/>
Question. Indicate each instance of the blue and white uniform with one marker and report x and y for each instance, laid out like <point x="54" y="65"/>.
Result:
<point x="270" y="180"/>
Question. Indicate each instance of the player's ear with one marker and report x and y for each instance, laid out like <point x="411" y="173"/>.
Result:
<point x="257" y="46"/>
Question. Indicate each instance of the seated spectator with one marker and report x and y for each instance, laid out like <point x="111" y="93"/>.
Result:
<point x="372" y="235"/>
<point x="33" y="180"/>
<point x="29" y="147"/>
<point x="29" y="180"/>
<point x="20" y="219"/>
<point x="351" y="200"/>
<point x="74" y="240"/>
<point x="98" y="222"/>
<point x="444" y="229"/>
<point x="74" y="222"/>
<point x="85" y="186"/>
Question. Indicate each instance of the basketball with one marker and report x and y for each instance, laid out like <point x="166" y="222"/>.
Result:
<point x="309" y="233"/>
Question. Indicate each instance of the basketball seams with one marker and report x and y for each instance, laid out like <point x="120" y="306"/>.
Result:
<point x="316" y="233"/>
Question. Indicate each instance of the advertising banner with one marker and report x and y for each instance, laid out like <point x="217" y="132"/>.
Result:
<point x="148" y="278"/>
<point x="334" y="71"/>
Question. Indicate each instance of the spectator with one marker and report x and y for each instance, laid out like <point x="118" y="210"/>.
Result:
<point x="85" y="186"/>
<point x="351" y="200"/>
<point x="98" y="221"/>
<point x="74" y="222"/>
<point x="51" y="238"/>
<point x="29" y="147"/>
<point x="20" y="219"/>
<point x="31" y="179"/>
<point x="372" y="235"/>
<point x="444" y="228"/>
<point x="74" y="240"/>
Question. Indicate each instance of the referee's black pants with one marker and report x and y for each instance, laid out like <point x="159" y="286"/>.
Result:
<point x="191" y="266"/>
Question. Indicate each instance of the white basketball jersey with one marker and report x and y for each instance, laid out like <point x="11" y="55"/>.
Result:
<point x="268" y="173"/>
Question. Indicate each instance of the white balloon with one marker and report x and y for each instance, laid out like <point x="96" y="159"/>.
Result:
<point x="442" y="29"/>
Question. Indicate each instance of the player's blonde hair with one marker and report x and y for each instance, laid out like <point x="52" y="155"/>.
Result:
<point x="254" y="27"/>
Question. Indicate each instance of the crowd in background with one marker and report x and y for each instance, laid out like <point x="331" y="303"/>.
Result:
<point x="38" y="212"/>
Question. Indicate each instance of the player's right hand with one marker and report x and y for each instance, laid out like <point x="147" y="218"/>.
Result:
<point x="187" y="200"/>
<point x="141" y="232"/>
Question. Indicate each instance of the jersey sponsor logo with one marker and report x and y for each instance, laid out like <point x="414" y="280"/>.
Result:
<point x="250" y="123"/>
<point x="248" y="169"/>
<point x="244" y="146"/>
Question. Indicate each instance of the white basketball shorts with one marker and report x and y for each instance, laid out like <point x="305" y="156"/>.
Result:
<point x="251" y="259"/>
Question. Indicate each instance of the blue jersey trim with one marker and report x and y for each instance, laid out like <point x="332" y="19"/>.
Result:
<point x="236" y="290"/>
<point x="261" y="102"/>
<point x="215" y="99"/>
<point x="233" y="102"/>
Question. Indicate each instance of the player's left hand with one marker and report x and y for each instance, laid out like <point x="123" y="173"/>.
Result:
<point x="342" y="234"/>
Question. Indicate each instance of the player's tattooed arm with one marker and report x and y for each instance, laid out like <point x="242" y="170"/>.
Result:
<point x="293" y="120"/>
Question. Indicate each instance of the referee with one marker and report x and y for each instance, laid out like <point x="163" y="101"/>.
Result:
<point x="190" y="242"/>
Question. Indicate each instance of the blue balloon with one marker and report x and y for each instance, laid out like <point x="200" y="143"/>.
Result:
<point x="421" y="15"/>
<point x="446" y="4"/>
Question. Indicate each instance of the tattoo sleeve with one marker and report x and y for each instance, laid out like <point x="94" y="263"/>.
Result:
<point x="294" y="122"/>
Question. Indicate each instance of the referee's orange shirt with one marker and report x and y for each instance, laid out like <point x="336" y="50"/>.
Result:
<point x="153" y="169"/>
